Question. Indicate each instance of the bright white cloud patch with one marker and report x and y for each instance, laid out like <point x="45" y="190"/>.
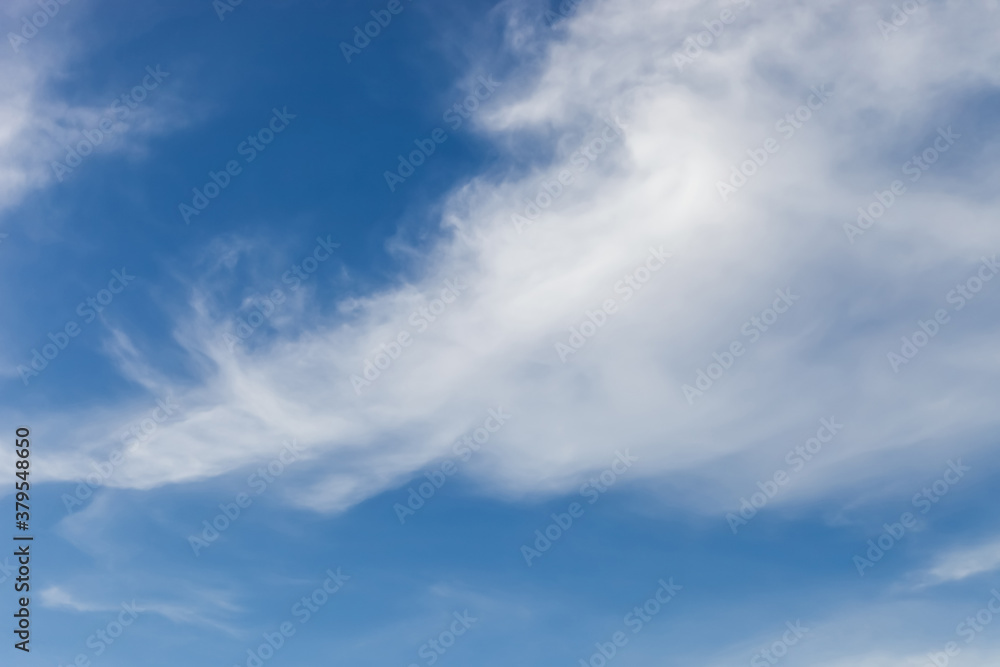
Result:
<point x="564" y="308"/>
<point x="958" y="565"/>
<point x="45" y="139"/>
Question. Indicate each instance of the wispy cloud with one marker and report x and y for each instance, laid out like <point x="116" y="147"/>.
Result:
<point x="655" y="185"/>
<point x="964" y="563"/>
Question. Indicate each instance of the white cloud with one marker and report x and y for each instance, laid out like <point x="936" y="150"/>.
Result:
<point x="37" y="127"/>
<point x="967" y="562"/>
<point x="655" y="185"/>
<point x="56" y="597"/>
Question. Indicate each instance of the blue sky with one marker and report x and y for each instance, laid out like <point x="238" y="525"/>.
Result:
<point x="594" y="333"/>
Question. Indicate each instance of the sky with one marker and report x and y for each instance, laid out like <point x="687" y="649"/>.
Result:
<point x="398" y="332"/>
